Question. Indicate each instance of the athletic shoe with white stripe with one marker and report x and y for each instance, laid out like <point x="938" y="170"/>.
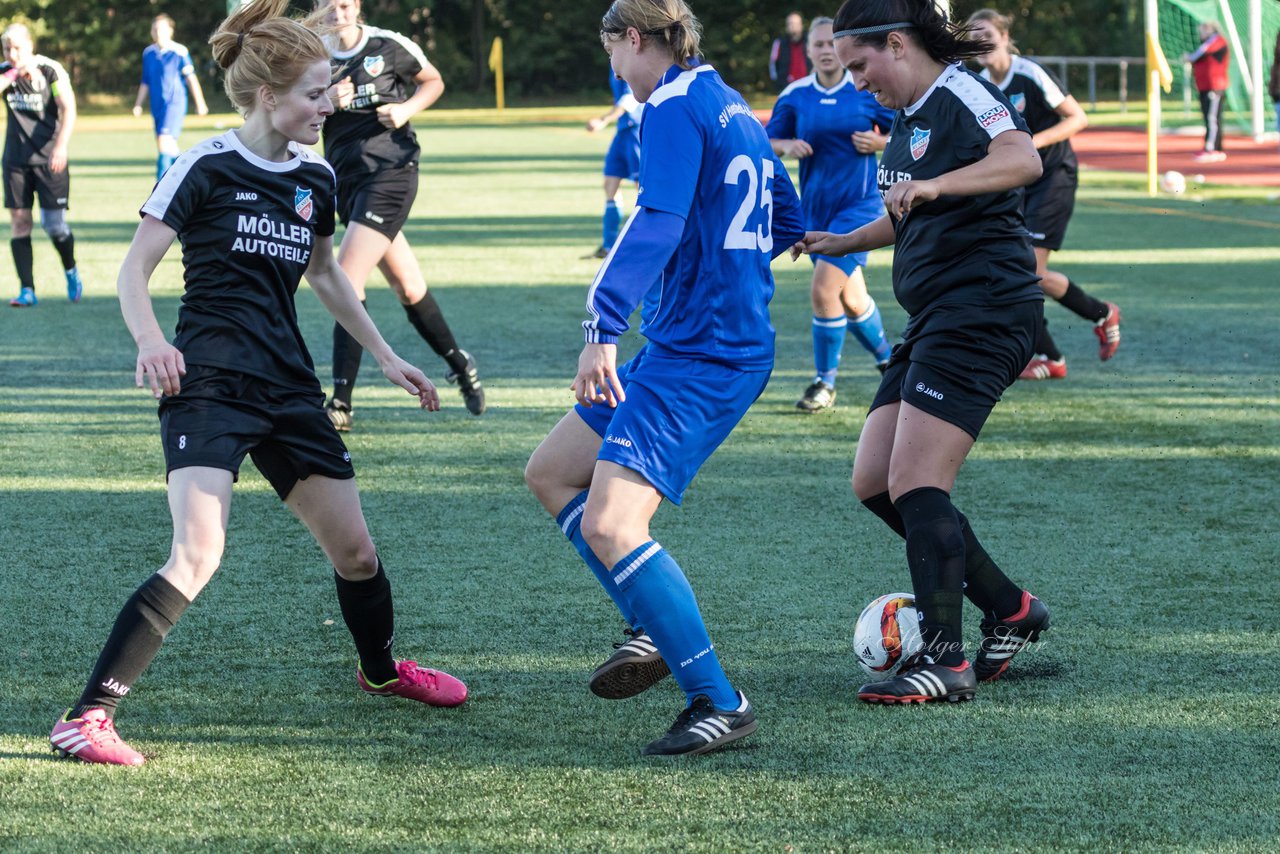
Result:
<point x="635" y="667"/>
<point x="1108" y="332"/>
<point x="702" y="727"/>
<point x="92" y="737"/>
<point x="1003" y="639"/>
<point x="923" y="681"/>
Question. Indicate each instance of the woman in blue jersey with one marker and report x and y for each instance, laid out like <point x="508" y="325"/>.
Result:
<point x="715" y="206"/>
<point x="964" y="271"/>
<point x="254" y="212"/>
<point x="167" y="72"/>
<point x="621" y="161"/>
<point x="835" y="131"/>
<point x="1053" y="117"/>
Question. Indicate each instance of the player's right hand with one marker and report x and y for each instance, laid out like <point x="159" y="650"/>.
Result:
<point x="342" y="93"/>
<point x="137" y="111"/>
<point x="595" y="124"/>
<point x="821" y="243"/>
<point x="160" y="366"/>
<point x="413" y="381"/>
<point x="597" y="380"/>
<point x="799" y="149"/>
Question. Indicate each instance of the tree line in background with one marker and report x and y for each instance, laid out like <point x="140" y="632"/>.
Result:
<point x="551" y="46"/>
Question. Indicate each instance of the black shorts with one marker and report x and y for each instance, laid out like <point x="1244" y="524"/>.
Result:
<point x="1048" y="205"/>
<point x="381" y="201"/>
<point x="958" y="360"/>
<point x="22" y="184"/>
<point x="220" y="415"/>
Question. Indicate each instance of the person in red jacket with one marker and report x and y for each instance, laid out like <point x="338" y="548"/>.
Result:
<point x="788" y="56"/>
<point x="1209" y="63"/>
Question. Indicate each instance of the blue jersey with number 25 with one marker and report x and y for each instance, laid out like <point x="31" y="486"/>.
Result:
<point x="705" y="157"/>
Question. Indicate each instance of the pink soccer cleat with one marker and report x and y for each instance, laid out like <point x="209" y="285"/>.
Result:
<point x="92" y="737"/>
<point x="433" y="687"/>
<point x="1108" y="332"/>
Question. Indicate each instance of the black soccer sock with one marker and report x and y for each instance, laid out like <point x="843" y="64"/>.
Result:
<point x="139" y="630"/>
<point x="369" y="614"/>
<point x="346" y="362"/>
<point x="935" y="553"/>
<point x="1045" y="345"/>
<point x="23" y="261"/>
<point x="984" y="583"/>
<point x="426" y="317"/>
<point x="882" y="506"/>
<point x="66" y="246"/>
<point x="1076" y="300"/>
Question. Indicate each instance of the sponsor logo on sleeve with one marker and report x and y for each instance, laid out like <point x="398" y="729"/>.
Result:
<point x="993" y="115"/>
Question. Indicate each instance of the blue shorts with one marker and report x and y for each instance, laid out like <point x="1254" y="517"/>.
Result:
<point x="623" y="158"/>
<point x="168" y="118"/>
<point x="677" y="412"/>
<point x="844" y="222"/>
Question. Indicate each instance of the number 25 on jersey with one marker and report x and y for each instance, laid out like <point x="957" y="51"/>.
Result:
<point x="739" y="236"/>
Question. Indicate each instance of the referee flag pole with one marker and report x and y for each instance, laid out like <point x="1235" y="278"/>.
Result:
<point x="495" y="65"/>
<point x="1158" y="77"/>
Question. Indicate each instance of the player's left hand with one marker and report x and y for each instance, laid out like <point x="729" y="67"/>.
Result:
<point x="392" y="115"/>
<point x="869" y="141"/>
<point x="202" y="110"/>
<point x="821" y="243"/>
<point x="413" y="381"/>
<point x="58" y="159"/>
<point x="905" y="195"/>
<point x="597" y="380"/>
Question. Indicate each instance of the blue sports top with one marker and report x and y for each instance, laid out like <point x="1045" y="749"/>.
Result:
<point x="165" y="74"/>
<point x="835" y="178"/>
<point x="704" y="160"/>
<point x="622" y="97"/>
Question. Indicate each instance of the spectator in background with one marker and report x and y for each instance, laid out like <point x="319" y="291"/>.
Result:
<point x="788" y="58"/>
<point x="166" y="73"/>
<point x="1274" y="86"/>
<point x="1209" y="64"/>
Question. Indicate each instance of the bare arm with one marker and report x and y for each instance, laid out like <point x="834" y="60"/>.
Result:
<point x="159" y="363"/>
<point x="197" y="95"/>
<point x="873" y="235"/>
<point x="430" y="88"/>
<point x="796" y="148"/>
<point x="1073" y="120"/>
<point x="144" y="91"/>
<point x="337" y="295"/>
<point x="608" y="118"/>
<point x="1011" y="161"/>
<point x="66" y="100"/>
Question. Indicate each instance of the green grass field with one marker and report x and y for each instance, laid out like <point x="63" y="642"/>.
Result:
<point x="1138" y="498"/>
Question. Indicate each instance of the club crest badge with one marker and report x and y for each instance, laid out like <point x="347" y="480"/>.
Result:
<point x="373" y="65"/>
<point x="302" y="203"/>
<point x="1019" y="101"/>
<point x="919" y="142"/>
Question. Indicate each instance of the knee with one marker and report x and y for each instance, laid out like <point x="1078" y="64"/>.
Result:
<point x="20" y="223"/>
<point x="540" y="476"/>
<point x="54" y="223"/>
<point x="357" y="562"/>
<point x="598" y="532"/>
<point x="195" y="561"/>
<point x="868" y="484"/>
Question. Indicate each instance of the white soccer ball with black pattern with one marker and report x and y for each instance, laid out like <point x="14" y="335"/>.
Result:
<point x="887" y="632"/>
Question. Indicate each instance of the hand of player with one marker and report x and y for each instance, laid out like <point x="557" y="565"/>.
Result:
<point x="160" y="366"/>
<point x="413" y="381"/>
<point x="597" y="380"/>
<point x="595" y="124"/>
<point x="392" y="115"/>
<point x="137" y="110"/>
<point x="58" y="158"/>
<point x="799" y="149"/>
<point x="822" y="243"/>
<point x="202" y="110"/>
<point x="869" y="141"/>
<point x="905" y="195"/>
<point x="342" y="93"/>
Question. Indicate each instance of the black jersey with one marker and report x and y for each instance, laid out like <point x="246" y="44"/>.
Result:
<point x="1036" y="95"/>
<point x="33" y="112"/>
<point x="956" y="249"/>
<point x="247" y="228"/>
<point x="382" y="67"/>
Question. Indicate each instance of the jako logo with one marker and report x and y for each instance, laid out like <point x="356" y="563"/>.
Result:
<point x="614" y="440"/>
<point x="924" y="389"/>
<point x="115" y="687"/>
<point x="246" y="197"/>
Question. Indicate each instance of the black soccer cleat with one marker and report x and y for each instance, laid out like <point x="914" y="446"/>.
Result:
<point x="468" y="383"/>
<point x="635" y="667"/>
<point x="702" y="727"/>
<point x="817" y="397"/>
<point x="1003" y="639"/>
<point x="340" y="415"/>
<point x="922" y="681"/>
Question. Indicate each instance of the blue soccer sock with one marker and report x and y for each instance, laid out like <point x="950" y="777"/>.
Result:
<point x="612" y="222"/>
<point x="869" y="330"/>
<point x="163" y="162"/>
<point x="570" y="521"/>
<point x="828" y="341"/>
<point x="663" y="601"/>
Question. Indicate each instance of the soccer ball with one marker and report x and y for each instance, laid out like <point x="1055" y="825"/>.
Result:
<point x="887" y="631"/>
<point x="1173" y="182"/>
